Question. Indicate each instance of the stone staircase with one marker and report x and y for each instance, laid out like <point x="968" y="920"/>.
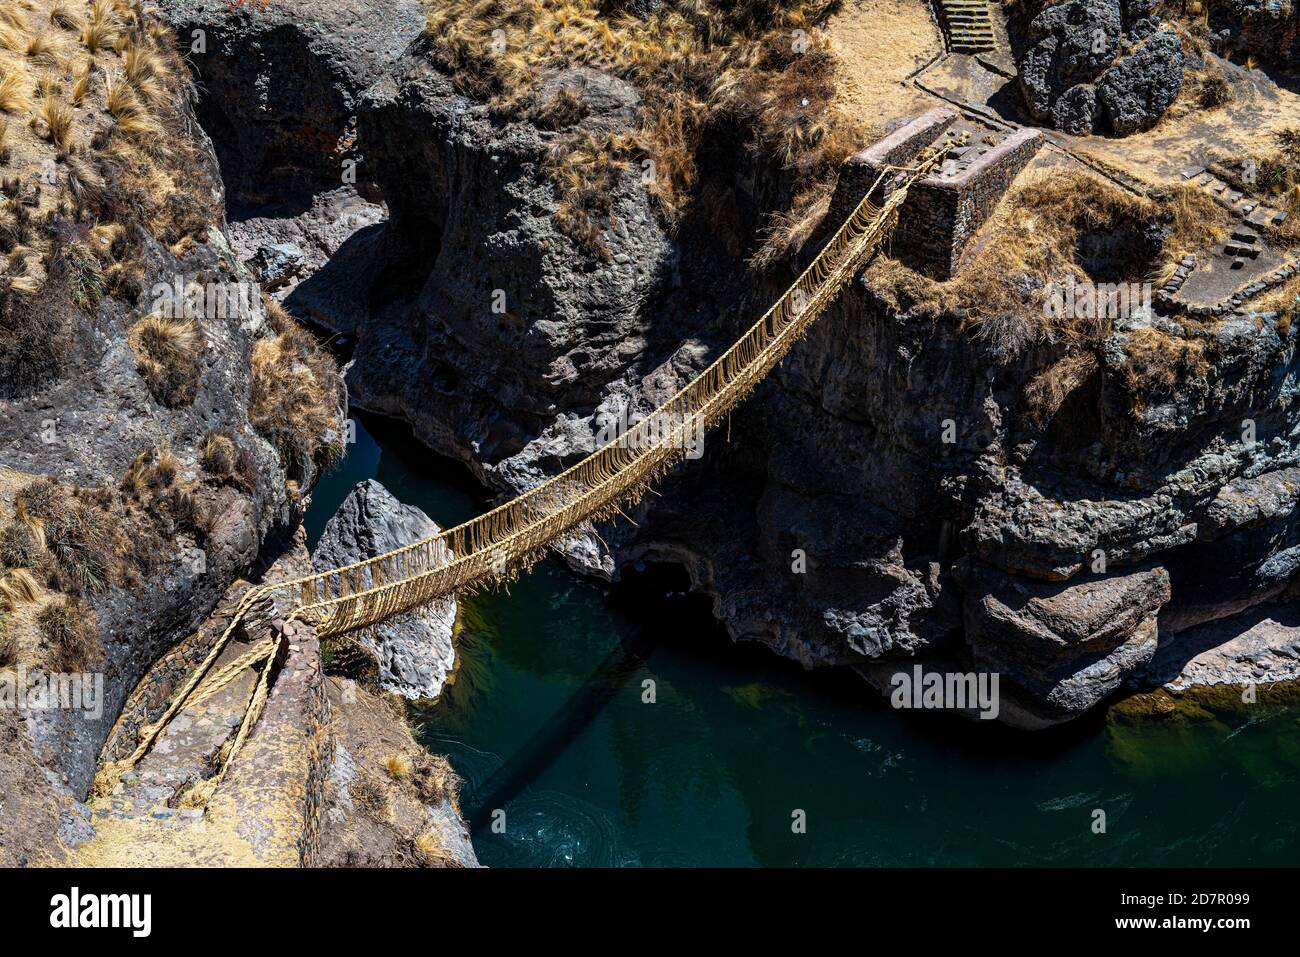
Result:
<point x="969" y="25"/>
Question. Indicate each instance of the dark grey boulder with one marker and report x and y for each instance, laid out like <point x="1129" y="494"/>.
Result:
<point x="414" y="652"/>
<point x="1080" y="44"/>
<point x="1065" y="647"/>
<point x="1139" y="88"/>
<point x="277" y="263"/>
<point x="1076" y="111"/>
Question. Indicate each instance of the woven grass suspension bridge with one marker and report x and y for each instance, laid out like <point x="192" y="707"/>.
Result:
<point x="512" y="537"/>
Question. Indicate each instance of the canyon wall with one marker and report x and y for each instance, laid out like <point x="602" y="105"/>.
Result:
<point x="881" y="497"/>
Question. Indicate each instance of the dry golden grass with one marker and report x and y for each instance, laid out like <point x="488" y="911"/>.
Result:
<point x="13" y="90"/>
<point x="370" y="797"/>
<point x="81" y="86"/>
<point x="13" y="18"/>
<point x="431" y="848"/>
<point x="698" y="64"/>
<point x="790" y="230"/>
<point x="1158" y="363"/>
<point x="19" y="586"/>
<point x="22" y="541"/>
<point x="295" y="395"/>
<point x="139" y="63"/>
<point x="1285" y="301"/>
<point x="1197" y="222"/>
<point x="62" y="15"/>
<point x="1047" y="392"/>
<point x="70" y="635"/>
<point x="397" y="765"/>
<point x="12" y="39"/>
<point x="102" y="27"/>
<point x="55" y="121"/>
<point x="167" y="351"/>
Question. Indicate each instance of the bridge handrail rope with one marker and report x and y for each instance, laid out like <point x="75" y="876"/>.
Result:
<point x="511" y="537"/>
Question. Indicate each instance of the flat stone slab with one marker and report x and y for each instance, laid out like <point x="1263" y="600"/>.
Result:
<point x="1259" y="647"/>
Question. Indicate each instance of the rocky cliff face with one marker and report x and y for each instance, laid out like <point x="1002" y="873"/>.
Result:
<point x="144" y="464"/>
<point x="838" y="518"/>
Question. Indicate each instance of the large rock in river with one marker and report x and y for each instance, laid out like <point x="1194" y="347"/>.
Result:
<point x="415" y="652"/>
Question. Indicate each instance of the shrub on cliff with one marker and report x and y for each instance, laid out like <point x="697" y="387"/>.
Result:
<point x="167" y="352"/>
<point x="70" y="635"/>
<point x="87" y="545"/>
<point x="38" y="334"/>
<point x="226" y="460"/>
<point x="295" y="396"/>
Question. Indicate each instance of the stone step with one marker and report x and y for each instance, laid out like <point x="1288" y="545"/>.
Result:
<point x="1245" y="236"/>
<point x="1232" y="249"/>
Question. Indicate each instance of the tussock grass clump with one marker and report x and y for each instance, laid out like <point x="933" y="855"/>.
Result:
<point x="81" y="85"/>
<point x="1158" y="363"/>
<point x="13" y="90"/>
<point x="40" y="48"/>
<point x="56" y="122"/>
<point x="397" y="765"/>
<point x="19" y="586"/>
<point x="89" y="550"/>
<point x="228" y="461"/>
<point x="370" y="797"/>
<point x="38" y="327"/>
<point x="431" y="849"/>
<point x="63" y="16"/>
<point x="788" y="231"/>
<point x="155" y="483"/>
<point x="1047" y="392"/>
<point x="1196" y="222"/>
<point x="700" y="66"/>
<point x="295" y="396"/>
<point x="70" y="635"/>
<point x="585" y="169"/>
<point x="101" y="29"/>
<point x="22" y="542"/>
<point x="168" y="351"/>
<point x="435" y="781"/>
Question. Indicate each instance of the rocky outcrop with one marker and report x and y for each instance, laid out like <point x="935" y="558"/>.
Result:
<point x="1100" y="66"/>
<point x="1061" y="649"/>
<point x="1266" y="29"/>
<point x="415" y="652"/>
<point x="281" y="83"/>
<point x="385" y="801"/>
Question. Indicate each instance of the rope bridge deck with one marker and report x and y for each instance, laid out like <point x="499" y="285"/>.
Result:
<point x="511" y="537"/>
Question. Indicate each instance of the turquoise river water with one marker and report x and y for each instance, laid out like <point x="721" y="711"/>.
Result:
<point x="546" y="721"/>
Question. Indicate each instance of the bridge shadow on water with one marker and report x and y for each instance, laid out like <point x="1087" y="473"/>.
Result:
<point x="531" y="760"/>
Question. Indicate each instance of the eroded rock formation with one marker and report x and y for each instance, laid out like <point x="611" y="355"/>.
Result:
<point x="1100" y="66"/>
